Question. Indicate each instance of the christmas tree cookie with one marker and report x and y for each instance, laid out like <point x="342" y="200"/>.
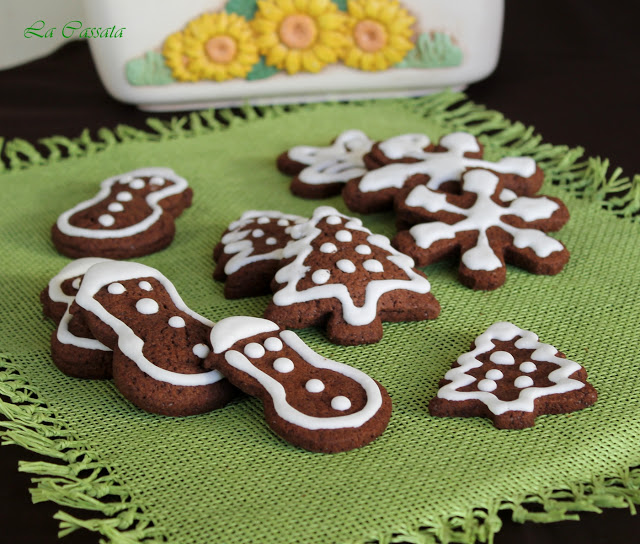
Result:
<point x="511" y="378"/>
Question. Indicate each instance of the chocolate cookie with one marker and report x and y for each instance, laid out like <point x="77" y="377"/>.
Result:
<point x="335" y="271"/>
<point x="484" y="230"/>
<point x="249" y="252"/>
<point x="310" y="401"/>
<point x="132" y="215"/>
<point x="511" y="378"/>
<point x="159" y="343"/>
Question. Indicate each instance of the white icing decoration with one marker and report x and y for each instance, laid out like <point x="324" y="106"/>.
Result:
<point x="494" y="374"/>
<point x="343" y="236"/>
<point x="201" y="350"/>
<point x="116" y="289"/>
<point x="156" y="180"/>
<point x="459" y="377"/>
<point x="338" y="163"/>
<point x="333" y="220"/>
<point x="76" y="284"/>
<point x="115" y="207"/>
<point x="363" y="249"/>
<point x="254" y="350"/>
<point x="300" y="248"/>
<point x="106" y="220"/>
<point x="238" y="243"/>
<point x="523" y="381"/>
<point x="320" y="277"/>
<point x="176" y="185"/>
<point x="373" y="266"/>
<point x="263" y="220"/>
<point x="283" y="365"/>
<point x="346" y="266"/>
<point x="137" y="184"/>
<point x="176" y="322"/>
<point x="271" y="241"/>
<point x="276" y="390"/>
<point x="314" y="386"/>
<point x="76" y="268"/>
<point x="487" y="385"/>
<point x="230" y="330"/>
<point x="131" y="345"/>
<point x="273" y="344"/>
<point x="257" y="233"/>
<point x="528" y="366"/>
<point x="328" y="247"/>
<point x="145" y="286"/>
<point x="502" y="358"/>
<point x="440" y="166"/>
<point x="147" y="306"/>
<point x="340" y="403"/>
<point x="480" y="217"/>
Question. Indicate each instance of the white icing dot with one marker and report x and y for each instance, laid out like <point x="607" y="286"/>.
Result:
<point x="271" y="241"/>
<point x="314" y="386"/>
<point x="282" y="364"/>
<point x="528" y="366"/>
<point x="502" y="358"/>
<point x="321" y="276"/>
<point x="115" y="207"/>
<point x="76" y="284"/>
<point x="373" y="265"/>
<point x="156" y="180"/>
<point x="145" y="285"/>
<point x="363" y="249"/>
<point x="124" y="196"/>
<point x="201" y="350"/>
<point x="333" y="220"/>
<point x="262" y="220"/>
<point x="283" y="222"/>
<point x="254" y="350"/>
<point x="344" y="236"/>
<point x="328" y="247"/>
<point x="257" y="233"/>
<point x="346" y="266"/>
<point x="494" y="374"/>
<point x="340" y="403"/>
<point x="273" y="344"/>
<point x="176" y="322"/>
<point x="147" y="306"/>
<point x="106" y="220"/>
<point x="125" y="179"/>
<point x="137" y="183"/>
<point x="116" y="289"/>
<point x="523" y="381"/>
<point x="487" y="385"/>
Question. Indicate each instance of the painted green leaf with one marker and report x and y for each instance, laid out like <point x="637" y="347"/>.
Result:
<point x="260" y="70"/>
<point x="246" y="8"/>
<point x="148" y="70"/>
<point x="342" y="4"/>
<point x="432" y="51"/>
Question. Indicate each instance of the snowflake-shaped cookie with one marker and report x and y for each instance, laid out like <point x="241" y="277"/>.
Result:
<point x="483" y="229"/>
<point x="511" y="377"/>
<point x="410" y="159"/>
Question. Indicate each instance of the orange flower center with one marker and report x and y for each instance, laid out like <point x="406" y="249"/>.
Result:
<point x="221" y="49"/>
<point x="298" y="31"/>
<point x="370" y="36"/>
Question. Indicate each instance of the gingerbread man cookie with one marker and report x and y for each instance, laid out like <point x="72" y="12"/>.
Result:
<point x="74" y="350"/>
<point x="410" y="160"/>
<point x="249" y="252"/>
<point x="310" y="401"/>
<point x="511" y="378"/>
<point x="132" y="215"/>
<point x="335" y="271"/>
<point x="159" y="343"/>
<point x="322" y="171"/>
<point x="483" y="229"/>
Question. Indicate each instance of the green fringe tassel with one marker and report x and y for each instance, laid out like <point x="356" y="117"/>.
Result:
<point x="80" y="481"/>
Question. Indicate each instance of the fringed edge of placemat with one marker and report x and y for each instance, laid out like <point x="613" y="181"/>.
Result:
<point x="79" y="480"/>
<point x="74" y="477"/>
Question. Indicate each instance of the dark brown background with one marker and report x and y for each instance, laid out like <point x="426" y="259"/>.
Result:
<point x="570" y="68"/>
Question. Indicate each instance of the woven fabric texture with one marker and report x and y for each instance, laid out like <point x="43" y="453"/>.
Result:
<point x="224" y="476"/>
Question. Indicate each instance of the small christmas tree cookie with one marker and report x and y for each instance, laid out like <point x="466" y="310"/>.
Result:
<point x="335" y="271"/>
<point x="511" y="378"/>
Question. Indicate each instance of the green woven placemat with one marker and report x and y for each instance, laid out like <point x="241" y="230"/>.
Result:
<point x="224" y="476"/>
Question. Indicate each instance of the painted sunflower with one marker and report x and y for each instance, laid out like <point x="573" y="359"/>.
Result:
<point x="379" y="34"/>
<point x="176" y="59"/>
<point x="215" y="46"/>
<point x="299" y="35"/>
